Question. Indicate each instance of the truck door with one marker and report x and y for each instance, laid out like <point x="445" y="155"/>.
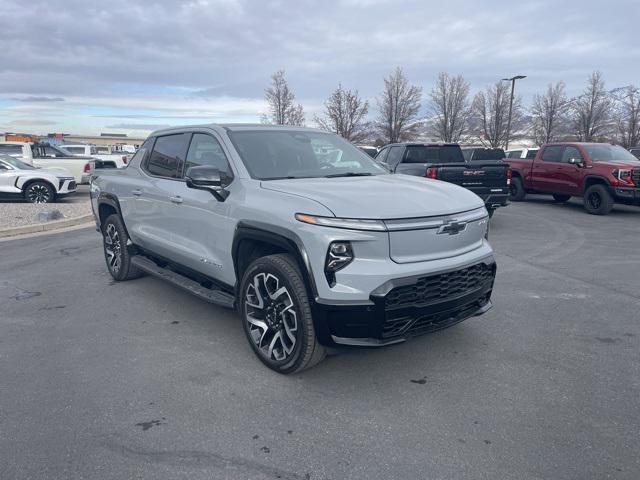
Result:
<point x="569" y="174"/>
<point x="544" y="172"/>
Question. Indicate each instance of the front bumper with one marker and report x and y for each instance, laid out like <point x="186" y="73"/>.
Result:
<point x="628" y="195"/>
<point x="410" y="306"/>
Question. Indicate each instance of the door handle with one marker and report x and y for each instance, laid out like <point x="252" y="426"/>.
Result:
<point x="137" y="193"/>
<point x="176" y="199"/>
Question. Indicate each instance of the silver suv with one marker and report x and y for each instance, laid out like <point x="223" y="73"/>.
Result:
<point x="313" y="241"/>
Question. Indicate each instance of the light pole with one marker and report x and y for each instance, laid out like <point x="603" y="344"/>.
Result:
<point x="513" y="86"/>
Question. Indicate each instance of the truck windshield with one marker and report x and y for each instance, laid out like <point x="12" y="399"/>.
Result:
<point x="277" y="154"/>
<point x="609" y="153"/>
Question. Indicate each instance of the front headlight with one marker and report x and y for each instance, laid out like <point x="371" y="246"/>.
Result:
<point x="339" y="255"/>
<point x="348" y="223"/>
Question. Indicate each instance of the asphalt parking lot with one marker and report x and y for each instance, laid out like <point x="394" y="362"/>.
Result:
<point x="139" y="380"/>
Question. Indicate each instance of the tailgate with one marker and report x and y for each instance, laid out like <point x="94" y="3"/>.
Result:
<point x="475" y="175"/>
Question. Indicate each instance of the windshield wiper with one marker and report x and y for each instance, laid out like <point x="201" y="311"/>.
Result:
<point x="349" y="174"/>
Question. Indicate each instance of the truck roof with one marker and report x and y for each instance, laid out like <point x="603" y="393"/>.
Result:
<point x="235" y="127"/>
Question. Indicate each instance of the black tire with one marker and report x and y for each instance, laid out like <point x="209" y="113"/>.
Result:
<point x="116" y="252"/>
<point x="560" y="198"/>
<point x="39" y="192"/>
<point x="597" y="200"/>
<point x="268" y="320"/>
<point x="516" y="190"/>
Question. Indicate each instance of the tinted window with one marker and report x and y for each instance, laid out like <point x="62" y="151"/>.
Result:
<point x="139" y="155"/>
<point x="205" y="150"/>
<point x="514" y="154"/>
<point x="167" y="157"/>
<point x="531" y="153"/>
<point x="571" y="152"/>
<point x="552" y="154"/>
<point x="635" y="152"/>
<point x="488" y="154"/>
<point x="74" y="150"/>
<point x="608" y="153"/>
<point x="11" y="149"/>
<point x="433" y="154"/>
<point x="395" y="154"/>
<point x="382" y="156"/>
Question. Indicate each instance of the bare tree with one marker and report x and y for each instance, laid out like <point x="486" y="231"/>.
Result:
<point x="591" y="111"/>
<point x="627" y="113"/>
<point x="282" y="107"/>
<point x="345" y="113"/>
<point x="449" y="107"/>
<point x="549" y="112"/>
<point x="490" y="110"/>
<point x="399" y="104"/>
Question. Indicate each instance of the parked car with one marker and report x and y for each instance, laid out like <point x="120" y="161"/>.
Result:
<point x="522" y="153"/>
<point x="488" y="179"/>
<point x="35" y="185"/>
<point x="600" y="173"/>
<point x="311" y="253"/>
<point x="474" y="154"/>
<point x="103" y="153"/>
<point x="47" y="156"/>
<point x="635" y="151"/>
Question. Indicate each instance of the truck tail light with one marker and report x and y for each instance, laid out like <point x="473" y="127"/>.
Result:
<point x="623" y="176"/>
<point x="125" y="159"/>
<point x="87" y="168"/>
<point x="431" y="172"/>
<point x="509" y="176"/>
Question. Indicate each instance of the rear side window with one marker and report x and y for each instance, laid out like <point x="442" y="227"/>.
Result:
<point x="514" y="154"/>
<point x="11" y="149"/>
<point x="168" y="156"/>
<point x="532" y="153"/>
<point x="206" y="150"/>
<point x="552" y="154"/>
<point x="395" y="154"/>
<point x="75" y="150"/>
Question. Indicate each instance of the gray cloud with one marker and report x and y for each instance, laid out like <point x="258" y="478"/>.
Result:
<point x="33" y="99"/>
<point x="203" y="49"/>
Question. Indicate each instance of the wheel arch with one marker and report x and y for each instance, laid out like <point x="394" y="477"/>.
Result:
<point x="253" y="240"/>
<point x="29" y="181"/>
<point x="591" y="180"/>
<point x="108" y="204"/>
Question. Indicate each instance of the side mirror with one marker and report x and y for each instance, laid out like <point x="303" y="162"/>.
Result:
<point x="576" y="161"/>
<point x="208" y="178"/>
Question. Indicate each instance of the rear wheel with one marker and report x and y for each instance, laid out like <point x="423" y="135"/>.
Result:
<point x="560" y="198"/>
<point x="597" y="200"/>
<point x="116" y="251"/>
<point x="39" y="192"/>
<point x="276" y="315"/>
<point x="516" y="190"/>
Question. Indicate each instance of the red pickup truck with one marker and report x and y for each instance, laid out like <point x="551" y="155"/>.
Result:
<point x="600" y="173"/>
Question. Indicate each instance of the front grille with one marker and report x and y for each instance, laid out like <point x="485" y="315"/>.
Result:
<point x="440" y="287"/>
<point x="635" y="175"/>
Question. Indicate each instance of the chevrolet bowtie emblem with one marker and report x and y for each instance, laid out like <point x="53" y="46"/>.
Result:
<point x="452" y="227"/>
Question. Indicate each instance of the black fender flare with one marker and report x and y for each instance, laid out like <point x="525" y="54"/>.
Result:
<point x="279" y="237"/>
<point x="594" y="179"/>
<point x="105" y="198"/>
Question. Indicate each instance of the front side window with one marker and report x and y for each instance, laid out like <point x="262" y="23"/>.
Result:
<point x="608" y="153"/>
<point x="552" y="154"/>
<point x="168" y="155"/>
<point x="569" y="153"/>
<point x="206" y="150"/>
<point x="276" y="154"/>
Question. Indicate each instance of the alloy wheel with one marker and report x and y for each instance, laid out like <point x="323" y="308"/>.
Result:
<point x="271" y="316"/>
<point x="594" y="200"/>
<point x="113" y="247"/>
<point x="39" y="193"/>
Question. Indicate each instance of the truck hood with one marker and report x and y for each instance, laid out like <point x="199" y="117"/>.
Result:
<point x="380" y="197"/>
<point x="618" y="164"/>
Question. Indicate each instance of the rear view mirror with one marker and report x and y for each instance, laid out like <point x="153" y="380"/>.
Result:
<point x="208" y="178"/>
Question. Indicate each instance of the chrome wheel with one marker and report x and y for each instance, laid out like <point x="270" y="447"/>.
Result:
<point x="39" y="193"/>
<point x="271" y="317"/>
<point x="113" y="248"/>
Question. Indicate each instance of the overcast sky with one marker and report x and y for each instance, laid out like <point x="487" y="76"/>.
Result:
<point x="131" y="65"/>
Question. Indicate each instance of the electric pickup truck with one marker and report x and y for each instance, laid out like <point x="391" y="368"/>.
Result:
<point x="310" y="239"/>
<point x="601" y="173"/>
<point x="487" y="178"/>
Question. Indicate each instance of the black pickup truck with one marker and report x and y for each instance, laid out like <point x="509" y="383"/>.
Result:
<point x="489" y="179"/>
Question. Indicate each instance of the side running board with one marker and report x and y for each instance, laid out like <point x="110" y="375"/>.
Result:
<point x="217" y="297"/>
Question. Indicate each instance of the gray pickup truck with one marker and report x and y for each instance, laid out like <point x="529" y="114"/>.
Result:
<point x="312" y="241"/>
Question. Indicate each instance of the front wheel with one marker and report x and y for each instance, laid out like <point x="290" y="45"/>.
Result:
<point x="39" y="192"/>
<point x="597" y="200"/>
<point x="276" y="315"/>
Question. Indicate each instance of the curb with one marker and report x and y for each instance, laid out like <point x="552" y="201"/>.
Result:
<point x="45" y="227"/>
